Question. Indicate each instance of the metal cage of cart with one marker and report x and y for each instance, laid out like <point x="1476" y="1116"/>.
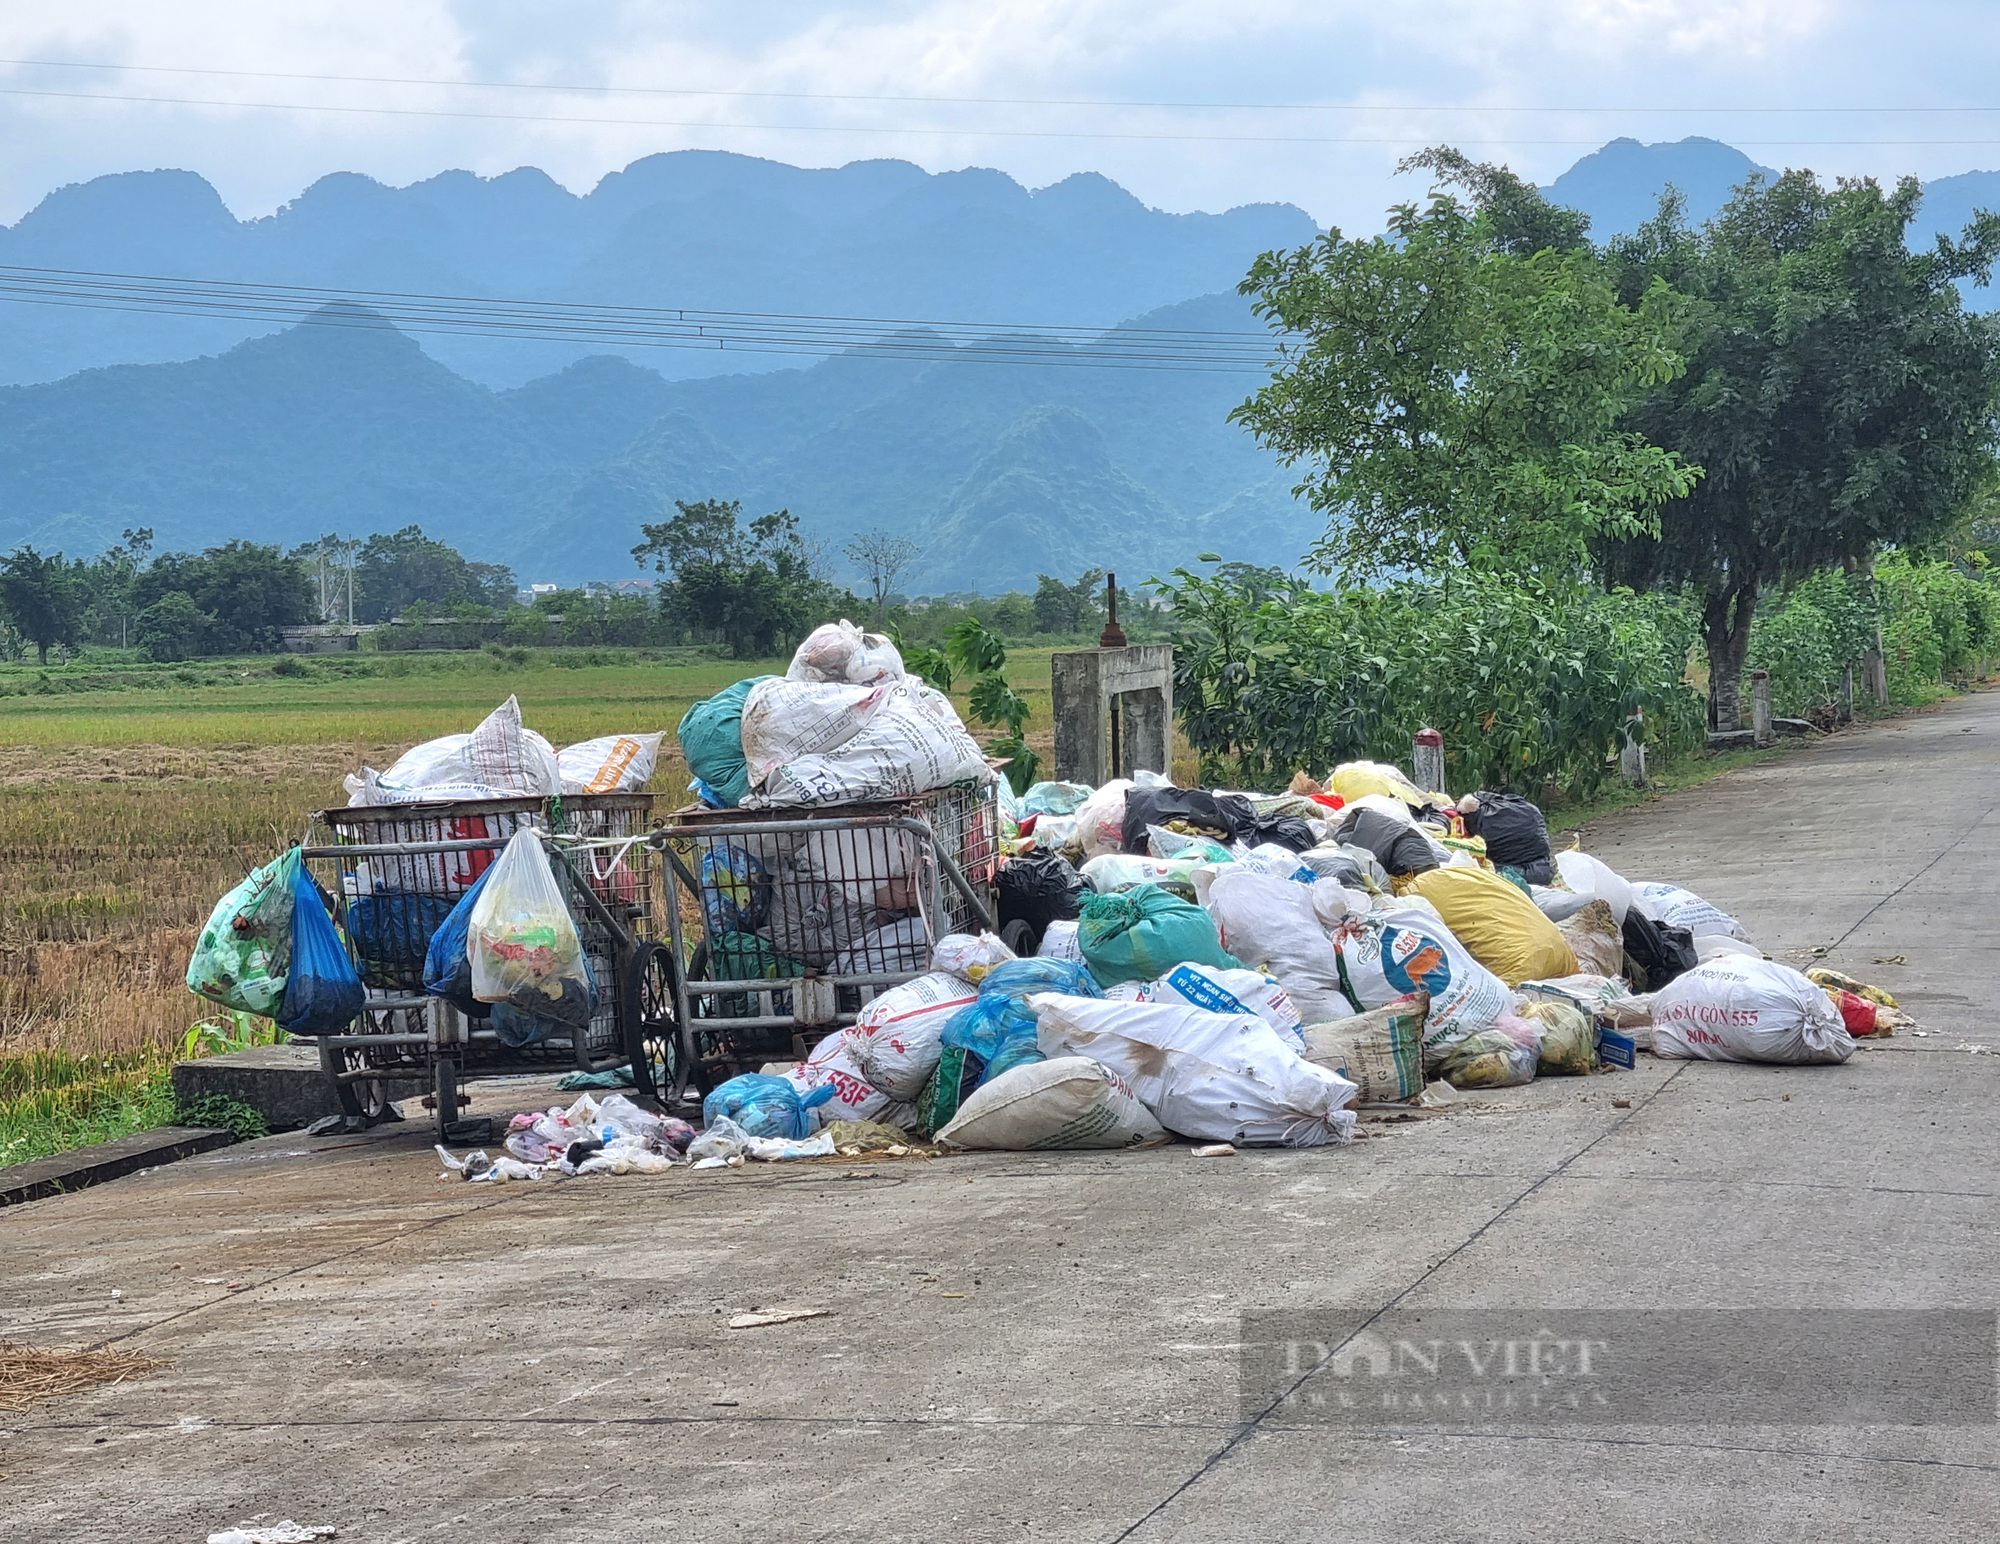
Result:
<point x="781" y="924"/>
<point x="394" y="872"/>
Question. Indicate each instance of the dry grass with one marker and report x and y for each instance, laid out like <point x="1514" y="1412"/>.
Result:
<point x="29" y="1375"/>
<point x="104" y="884"/>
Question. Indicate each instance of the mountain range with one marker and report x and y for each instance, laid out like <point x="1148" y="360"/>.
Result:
<point x="548" y="455"/>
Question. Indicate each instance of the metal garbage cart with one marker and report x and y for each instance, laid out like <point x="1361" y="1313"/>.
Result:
<point x="781" y="924"/>
<point x="394" y="872"/>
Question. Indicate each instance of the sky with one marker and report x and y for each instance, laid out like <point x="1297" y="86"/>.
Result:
<point x="1192" y="104"/>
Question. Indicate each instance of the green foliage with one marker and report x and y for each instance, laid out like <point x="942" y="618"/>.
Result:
<point x="1808" y="643"/>
<point x="223" y="1113"/>
<point x="1532" y="688"/>
<point x="397" y="570"/>
<point x="1069" y="608"/>
<point x="752" y="589"/>
<point x="52" y="1101"/>
<point x="1455" y="400"/>
<point x="245" y="595"/>
<point x="170" y="629"/>
<point x="1939" y="624"/>
<point x="41" y="598"/>
<point x="974" y="650"/>
<point x="1837" y="391"/>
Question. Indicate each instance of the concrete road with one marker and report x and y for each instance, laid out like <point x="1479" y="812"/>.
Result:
<point x="1047" y="1347"/>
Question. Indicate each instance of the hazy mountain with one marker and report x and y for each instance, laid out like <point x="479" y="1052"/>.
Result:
<point x="694" y="228"/>
<point x="1001" y="470"/>
<point x="1619" y="187"/>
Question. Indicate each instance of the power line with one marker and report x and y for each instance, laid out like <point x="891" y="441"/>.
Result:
<point x="929" y="130"/>
<point x="1128" y="347"/>
<point x="581" y="88"/>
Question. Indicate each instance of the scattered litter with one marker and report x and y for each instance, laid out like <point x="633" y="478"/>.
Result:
<point x="754" y="1321"/>
<point x="1215" y="1150"/>
<point x="1890" y="959"/>
<point x="286" y="1532"/>
<point x="1621" y="1102"/>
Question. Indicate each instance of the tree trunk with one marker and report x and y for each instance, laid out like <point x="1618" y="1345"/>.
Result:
<point x="42" y="652"/>
<point x="1725" y="627"/>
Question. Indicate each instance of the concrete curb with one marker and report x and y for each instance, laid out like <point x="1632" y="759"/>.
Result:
<point x="60" y="1173"/>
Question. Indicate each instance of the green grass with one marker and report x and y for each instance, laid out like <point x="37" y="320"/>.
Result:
<point x="52" y="1101"/>
<point x="389" y="699"/>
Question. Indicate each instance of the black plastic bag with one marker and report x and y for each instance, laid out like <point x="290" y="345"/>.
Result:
<point x="1516" y="834"/>
<point x="1038" y="889"/>
<point x="1285" y="830"/>
<point x="1225" y="816"/>
<point x="1655" y="953"/>
<point x="1398" y="848"/>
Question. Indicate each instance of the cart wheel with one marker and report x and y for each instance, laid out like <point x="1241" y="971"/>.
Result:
<point x="654" y="1039"/>
<point x="1020" y="936"/>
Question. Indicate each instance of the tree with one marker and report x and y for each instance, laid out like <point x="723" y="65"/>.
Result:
<point x="107" y="581"/>
<point x="398" y="570"/>
<point x="1068" y="608"/>
<point x="170" y="629"/>
<point x="42" y="597"/>
<point x="1837" y="393"/>
<point x="751" y="589"/>
<point x="246" y="592"/>
<point x="1454" y="396"/>
<point x="883" y="557"/>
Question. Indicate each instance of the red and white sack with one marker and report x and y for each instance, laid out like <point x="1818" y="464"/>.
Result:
<point x="1740" y="1009"/>
<point x="896" y="1041"/>
<point x="854" y="1097"/>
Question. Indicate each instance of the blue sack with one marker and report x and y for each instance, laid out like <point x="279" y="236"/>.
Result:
<point x="447" y="965"/>
<point x="1000" y="1028"/>
<point x="735" y="890"/>
<point x="764" y="1106"/>
<point x="323" y="992"/>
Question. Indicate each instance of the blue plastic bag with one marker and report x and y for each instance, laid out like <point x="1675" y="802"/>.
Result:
<point x="447" y="966"/>
<point x="1000" y="1028"/>
<point x="323" y="992"/>
<point x="735" y="890"/>
<point x="764" y="1106"/>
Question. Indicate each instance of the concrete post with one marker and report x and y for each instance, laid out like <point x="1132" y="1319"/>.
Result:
<point x="1760" y="707"/>
<point x="1846" y="711"/>
<point x="1114" y="712"/>
<point x="1427" y="760"/>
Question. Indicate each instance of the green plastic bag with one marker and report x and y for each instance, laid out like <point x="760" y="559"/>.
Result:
<point x="958" y="1073"/>
<point x="1142" y="933"/>
<point x="245" y="948"/>
<point x="711" y="736"/>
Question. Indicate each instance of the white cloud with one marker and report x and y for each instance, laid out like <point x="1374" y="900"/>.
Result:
<point x="1447" y="70"/>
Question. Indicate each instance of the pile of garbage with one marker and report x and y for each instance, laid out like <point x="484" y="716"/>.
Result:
<point x="504" y="759"/>
<point x="1256" y="969"/>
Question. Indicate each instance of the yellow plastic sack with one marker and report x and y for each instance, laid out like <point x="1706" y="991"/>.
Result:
<point x="1352" y="779"/>
<point x="1499" y="926"/>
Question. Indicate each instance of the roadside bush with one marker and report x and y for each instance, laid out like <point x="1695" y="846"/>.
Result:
<point x="1532" y="689"/>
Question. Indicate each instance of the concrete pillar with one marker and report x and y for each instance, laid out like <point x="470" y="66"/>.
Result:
<point x="1114" y="712"/>
<point x="1427" y="760"/>
<point x="1760" y="706"/>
